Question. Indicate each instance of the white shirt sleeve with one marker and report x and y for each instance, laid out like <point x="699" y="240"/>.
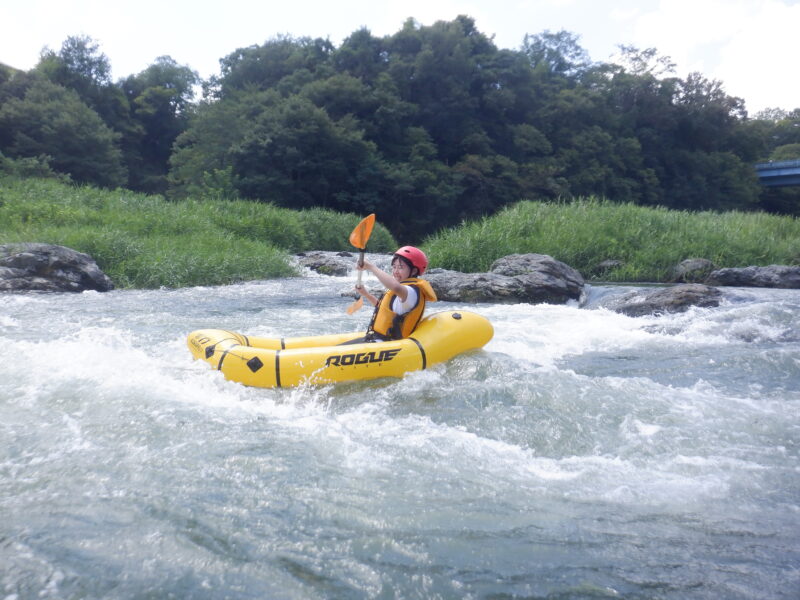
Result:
<point x="401" y="308"/>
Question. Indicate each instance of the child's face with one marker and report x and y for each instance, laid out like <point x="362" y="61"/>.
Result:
<point x="400" y="270"/>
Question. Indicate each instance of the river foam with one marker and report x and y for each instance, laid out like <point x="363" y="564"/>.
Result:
<point x="582" y="452"/>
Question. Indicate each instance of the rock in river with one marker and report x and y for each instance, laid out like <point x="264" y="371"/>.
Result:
<point x="533" y="278"/>
<point x="328" y="263"/>
<point x="674" y="299"/>
<point x="772" y="276"/>
<point x="48" y="268"/>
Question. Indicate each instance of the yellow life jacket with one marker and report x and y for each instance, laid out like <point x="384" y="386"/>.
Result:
<point x="388" y="324"/>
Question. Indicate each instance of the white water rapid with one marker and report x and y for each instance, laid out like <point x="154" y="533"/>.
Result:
<point x="581" y="454"/>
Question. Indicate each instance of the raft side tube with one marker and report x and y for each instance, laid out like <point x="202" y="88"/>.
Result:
<point x="449" y="333"/>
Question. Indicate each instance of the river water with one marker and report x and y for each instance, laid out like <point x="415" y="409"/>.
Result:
<point x="581" y="454"/>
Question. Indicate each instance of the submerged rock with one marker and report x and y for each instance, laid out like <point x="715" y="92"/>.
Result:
<point x="328" y="263"/>
<point x="772" y="276"/>
<point x="675" y="299"/>
<point x="49" y="268"/>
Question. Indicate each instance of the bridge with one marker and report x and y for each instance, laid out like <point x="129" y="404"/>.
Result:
<point x="779" y="173"/>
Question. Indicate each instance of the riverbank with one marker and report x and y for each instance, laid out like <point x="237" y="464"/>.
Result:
<point x="620" y="242"/>
<point x="144" y="241"/>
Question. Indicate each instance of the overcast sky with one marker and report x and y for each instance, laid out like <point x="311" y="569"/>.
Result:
<point x="749" y="45"/>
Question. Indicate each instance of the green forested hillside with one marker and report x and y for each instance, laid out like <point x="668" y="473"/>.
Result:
<point x="426" y="127"/>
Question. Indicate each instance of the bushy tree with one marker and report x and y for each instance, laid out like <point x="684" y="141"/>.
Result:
<point x="558" y="53"/>
<point x="160" y="99"/>
<point x="80" y="66"/>
<point x="43" y="119"/>
<point x="264" y="67"/>
<point x="148" y="110"/>
<point x="202" y="158"/>
<point x="295" y="154"/>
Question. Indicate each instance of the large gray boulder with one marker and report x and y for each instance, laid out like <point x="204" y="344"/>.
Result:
<point x="454" y="286"/>
<point x="674" y="299"/>
<point x="48" y="268"/>
<point x="531" y="278"/>
<point x="545" y="278"/>
<point x="772" y="276"/>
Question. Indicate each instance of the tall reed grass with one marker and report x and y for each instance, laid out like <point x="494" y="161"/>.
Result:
<point x="647" y="242"/>
<point x="144" y="241"/>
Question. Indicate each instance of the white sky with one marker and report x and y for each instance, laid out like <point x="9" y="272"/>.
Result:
<point x="749" y="45"/>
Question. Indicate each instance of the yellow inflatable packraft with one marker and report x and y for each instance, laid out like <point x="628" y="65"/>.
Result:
<point x="285" y="362"/>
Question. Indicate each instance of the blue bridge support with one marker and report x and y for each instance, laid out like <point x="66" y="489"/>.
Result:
<point x="779" y="173"/>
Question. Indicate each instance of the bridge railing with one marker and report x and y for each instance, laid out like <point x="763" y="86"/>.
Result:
<point x="780" y="173"/>
<point x="778" y="164"/>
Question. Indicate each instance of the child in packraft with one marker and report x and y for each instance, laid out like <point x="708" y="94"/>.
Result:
<point x="400" y="308"/>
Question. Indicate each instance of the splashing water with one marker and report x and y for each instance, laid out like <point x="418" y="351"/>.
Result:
<point x="581" y="454"/>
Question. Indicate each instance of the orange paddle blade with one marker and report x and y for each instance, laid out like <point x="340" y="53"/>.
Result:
<point x="355" y="306"/>
<point x="361" y="233"/>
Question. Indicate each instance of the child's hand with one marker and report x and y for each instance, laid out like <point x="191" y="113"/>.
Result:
<point x="363" y="292"/>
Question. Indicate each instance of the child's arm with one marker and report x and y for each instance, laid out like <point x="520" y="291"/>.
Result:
<point x="389" y="282"/>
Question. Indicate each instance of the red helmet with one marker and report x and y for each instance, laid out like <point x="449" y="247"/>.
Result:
<point x="414" y="256"/>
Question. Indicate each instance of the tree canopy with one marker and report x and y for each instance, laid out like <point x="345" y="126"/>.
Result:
<point x="46" y="120"/>
<point x="426" y="127"/>
<point x="134" y="121"/>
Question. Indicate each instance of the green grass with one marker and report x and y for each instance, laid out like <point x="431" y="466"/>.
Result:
<point x="649" y="242"/>
<point x="143" y="241"/>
